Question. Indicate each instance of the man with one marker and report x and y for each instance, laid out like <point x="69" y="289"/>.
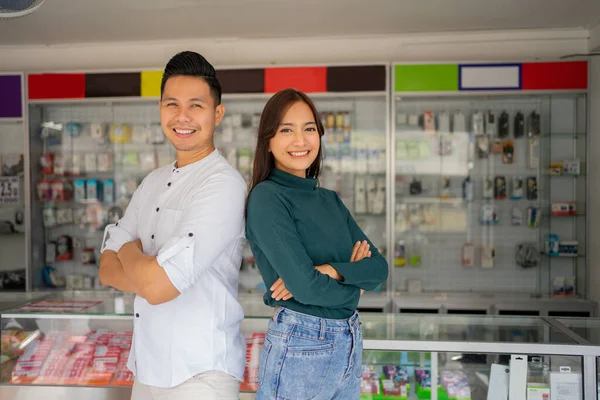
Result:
<point x="179" y="247"/>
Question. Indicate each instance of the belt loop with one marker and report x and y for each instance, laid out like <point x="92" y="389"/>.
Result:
<point x="323" y="327"/>
<point x="278" y="311"/>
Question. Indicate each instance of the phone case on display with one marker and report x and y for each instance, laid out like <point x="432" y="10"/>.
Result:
<point x="496" y="147"/>
<point x="120" y="134"/>
<point x="236" y="120"/>
<point x="413" y="120"/>
<point x="80" y="190"/>
<point x="49" y="215"/>
<point x="61" y="191"/>
<point x="399" y="254"/>
<point x="360" y="195"/>
<point x="64" y="248"/>
<point x="147" y="161"/>
<point x="379" y="203"/>
<point x="64" y="216"/>
<point x="347" y="127"/>
<point x="477" y="123"/>
<point x="491" y="124"/>
<point x="80" y="216"/>
<point x="157" y="136"/>
<point x="459" y="123"/>
<point x="467" y="189"/>
<point x="88" y="256"/>
<point x="226" y="133"/>
<point x="488" y="189"/>
<point x="77" y="164"/>
<point x="445" y="191"/>
<point x="47" y="163"/>
<point x="44" y="190"/>
<point x="256" y="121"/>
<point x="500" y="188"/>
<point x="94" y="190"/>
<point x="371" y="193"/>
<point x="508" y="152"/>
<point x="429" y="122"/>
<point x="73" y="129"/>
<point x="517" y="216"/>
<point x="98" y="132"/>
<point x="444" y="122"/>
<point x="339" y="127"/>
<point x="533" y="124"/>
<point x="517" y="188"/>
<point x="503" y="125"/>
<point x="91" y="163"/>
<point x="487" y="256"/>
<point x="489" y="214"/>
<point x="109" y="191"/>
<point x="533" y="217"/>
<point x="416" y="187"/>
<point x="468" y="255"/>
<point x="532" y="193"/>
<point x="519" y="125"/>
<point x="59" y="164"/>
<point x="140" y="134"/>
<point x="105" y="162"/>
<point x="401" y="119"/>
<point x="483" y="147"/>
<point x="50" y="253"/>
<point x="534" y="153"/>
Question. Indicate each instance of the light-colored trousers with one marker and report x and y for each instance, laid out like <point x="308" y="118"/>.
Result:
<point x="211" y="385"/>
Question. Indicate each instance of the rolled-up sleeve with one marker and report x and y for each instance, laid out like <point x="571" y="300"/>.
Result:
<point x="124" y="231"/>
<point x="213" y="220"/>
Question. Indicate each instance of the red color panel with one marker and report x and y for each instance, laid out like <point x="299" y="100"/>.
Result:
<point x="305" y="79"/>
<point x="56" y="86"/>
<point x="555" y="75"/>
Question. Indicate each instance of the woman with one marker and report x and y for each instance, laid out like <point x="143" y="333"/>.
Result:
<point x="313" y="257"/>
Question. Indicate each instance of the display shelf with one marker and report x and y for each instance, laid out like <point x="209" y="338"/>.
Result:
<point x="125" y="134"/>
<point x="457" y="349"/>
<point x="439" y="162"/>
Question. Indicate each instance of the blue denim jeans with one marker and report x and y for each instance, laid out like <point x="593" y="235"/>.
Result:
<point x="306" y="357"/>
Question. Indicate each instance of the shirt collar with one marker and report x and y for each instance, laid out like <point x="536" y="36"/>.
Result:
<point x="195" y="165"/>
<point x="287" y="179"/>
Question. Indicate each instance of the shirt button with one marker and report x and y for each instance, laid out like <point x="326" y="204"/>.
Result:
<point x="117" y="224"/>
<point x="169" y="184"/>
<point x="137" y="315"/>
<point x="157" y="208"/>
<point x="152" y="236"/>
<point x="190" y="234"/>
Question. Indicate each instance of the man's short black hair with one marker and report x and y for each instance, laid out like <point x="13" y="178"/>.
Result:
<point x="189" y="63"/>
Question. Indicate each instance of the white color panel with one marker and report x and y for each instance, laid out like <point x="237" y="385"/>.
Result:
<point x="500" y="77"/>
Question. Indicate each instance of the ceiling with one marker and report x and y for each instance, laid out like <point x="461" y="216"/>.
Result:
<point x="76" y="21"/>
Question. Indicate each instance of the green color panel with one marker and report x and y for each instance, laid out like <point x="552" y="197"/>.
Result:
<point x="426" y="78"/>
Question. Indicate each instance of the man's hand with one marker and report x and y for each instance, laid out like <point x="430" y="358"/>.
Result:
<point x="279" y="291"/>
<point x="360" y="251"/>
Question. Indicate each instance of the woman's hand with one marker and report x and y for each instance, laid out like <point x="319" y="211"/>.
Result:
<point x="279" y="291"/>
<point x="360" y="251"/>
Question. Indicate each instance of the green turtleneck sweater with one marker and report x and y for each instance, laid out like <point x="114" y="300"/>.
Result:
<point x="292" y="227"/>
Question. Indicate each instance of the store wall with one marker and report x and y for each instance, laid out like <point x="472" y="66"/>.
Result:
<point x="594" y="187"/>
<point x="474" y="46"/>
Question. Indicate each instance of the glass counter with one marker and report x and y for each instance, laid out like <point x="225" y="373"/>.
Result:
<point x="50" y="344"/>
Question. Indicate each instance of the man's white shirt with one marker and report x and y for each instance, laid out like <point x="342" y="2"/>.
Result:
<point x="192" y="220"/>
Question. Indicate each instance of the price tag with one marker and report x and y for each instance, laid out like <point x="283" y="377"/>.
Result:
<point x="9" y="190"/>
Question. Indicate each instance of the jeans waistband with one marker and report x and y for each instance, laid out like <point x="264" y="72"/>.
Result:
<point x="288" y="316"/>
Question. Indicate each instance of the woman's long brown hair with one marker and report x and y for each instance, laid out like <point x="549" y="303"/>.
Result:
<point x="270" y="119"/>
